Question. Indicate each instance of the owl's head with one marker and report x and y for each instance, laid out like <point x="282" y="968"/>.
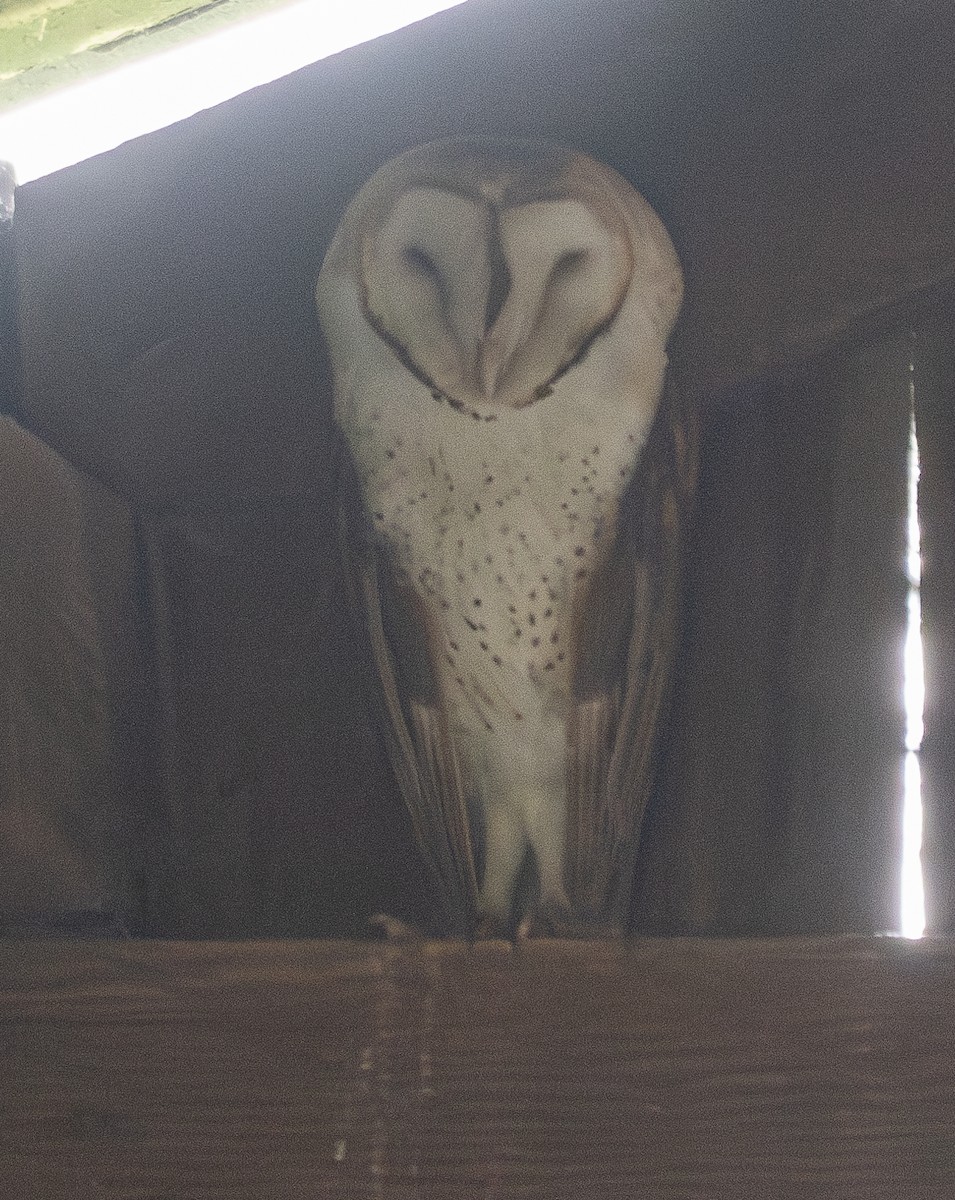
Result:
<point x="490" y="269"/>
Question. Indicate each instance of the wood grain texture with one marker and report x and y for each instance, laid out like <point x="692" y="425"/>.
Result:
<point x="275" y="812"/>
<point x="69" y="690"/>
<point x="779" y="805"/>
<point x="671" y="1070"/>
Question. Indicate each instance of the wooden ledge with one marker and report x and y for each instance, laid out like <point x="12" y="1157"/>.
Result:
<point x="667" y="1069"/>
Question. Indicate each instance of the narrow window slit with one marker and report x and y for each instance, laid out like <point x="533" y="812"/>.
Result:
<point x="912" y="888"/>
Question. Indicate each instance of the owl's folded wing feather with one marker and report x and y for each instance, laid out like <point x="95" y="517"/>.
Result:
<point x="401" y="641"/>
<point x="626" y="636"/>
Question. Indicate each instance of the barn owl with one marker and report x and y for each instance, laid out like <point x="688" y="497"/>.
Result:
<point x="496" y="317"/>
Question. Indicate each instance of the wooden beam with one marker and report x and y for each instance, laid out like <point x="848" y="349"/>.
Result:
<point x="666" y="1069"/>
<point x="70" y="692"/>
<point x="779" y="807"/>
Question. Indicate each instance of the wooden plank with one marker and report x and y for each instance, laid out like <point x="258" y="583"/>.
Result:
<point x="779" y="808"/>
<point x="274" y="812"/>
<point x="69" y="692"/>
<point x="934" y="383"/>
<point x="777" y="1070"/>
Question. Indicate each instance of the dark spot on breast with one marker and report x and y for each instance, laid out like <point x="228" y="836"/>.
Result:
<point x="581" y="573"/>
<point x="477" y="601"/>
<point x="497" y="660"/>
<point x="471" y="624"/>
<point x="554" y="637"/>
<point x="579" y="551"/>
<point x="535" y="641"/>
<point x="531" y="619"/>
<point x="548" y="666"/>
<point x="483" y="645"/>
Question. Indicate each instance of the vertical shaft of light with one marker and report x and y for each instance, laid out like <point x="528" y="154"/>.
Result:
<point x="913" y="898"/>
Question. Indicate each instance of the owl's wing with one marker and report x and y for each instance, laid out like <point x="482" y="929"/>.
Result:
<point x="401" y="643"/>
<point x="627" y="621"/>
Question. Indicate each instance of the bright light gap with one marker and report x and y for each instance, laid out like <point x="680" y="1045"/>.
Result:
<point x="912" y="885"/>
<point x="89" y="118"/>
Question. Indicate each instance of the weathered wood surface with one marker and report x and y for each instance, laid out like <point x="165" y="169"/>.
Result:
<point x="277" y="814"/>
<point x="69" y="690"/>
<point x="934" y="380"/>
<point x="673" y="1070"/>
<point x="779" y="808"/>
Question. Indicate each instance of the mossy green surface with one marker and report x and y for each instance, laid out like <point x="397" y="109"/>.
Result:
<point x="47" y="44"/>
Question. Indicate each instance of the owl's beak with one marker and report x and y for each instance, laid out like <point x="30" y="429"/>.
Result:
<point x="501" y="343"/>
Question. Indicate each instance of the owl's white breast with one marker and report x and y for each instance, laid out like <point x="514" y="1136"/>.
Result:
<point x="496" y="521"/>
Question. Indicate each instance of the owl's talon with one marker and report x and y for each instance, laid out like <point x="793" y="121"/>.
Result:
<point x="393" y="929"/>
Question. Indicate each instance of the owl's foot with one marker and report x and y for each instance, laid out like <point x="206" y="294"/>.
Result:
<point x="393" y="929"/>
